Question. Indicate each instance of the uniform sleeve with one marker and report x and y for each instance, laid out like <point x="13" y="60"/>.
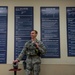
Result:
<point x="23" y="52"/>
<point x="42" y="48"/>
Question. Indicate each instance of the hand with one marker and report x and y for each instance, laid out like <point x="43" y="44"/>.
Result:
<point x="37" y="45"/>
<point x="15" y="61"/>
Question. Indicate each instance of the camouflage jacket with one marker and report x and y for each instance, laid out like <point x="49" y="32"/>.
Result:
<point x="30" y="50"/>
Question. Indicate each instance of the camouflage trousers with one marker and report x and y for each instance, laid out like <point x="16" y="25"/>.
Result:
<point x="33" y="66"/>
<point x="32" y="69"/>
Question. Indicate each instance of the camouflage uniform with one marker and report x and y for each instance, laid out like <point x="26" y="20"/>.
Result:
<point x="33" y="61"/>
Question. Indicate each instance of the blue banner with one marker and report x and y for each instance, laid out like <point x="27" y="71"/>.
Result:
<point x="50" y="33"/>
<point x="70" y="13"/>
<point x="23" y="27"/>
<point x="3" y="33"/>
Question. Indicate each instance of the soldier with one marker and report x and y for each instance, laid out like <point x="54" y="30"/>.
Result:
<point x="32" y="49"/>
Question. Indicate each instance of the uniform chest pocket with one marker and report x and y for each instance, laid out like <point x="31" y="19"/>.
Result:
<point x="31" y="46"/>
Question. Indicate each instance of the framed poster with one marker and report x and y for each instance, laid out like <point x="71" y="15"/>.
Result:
<point x="70" y="17"/>
<point x="50" y="32"/>
<point x="23" y="27"/>
<point x="3" y="33"/>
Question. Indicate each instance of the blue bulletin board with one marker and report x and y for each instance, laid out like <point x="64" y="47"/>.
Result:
<point x="50" y="32"/>
<point x="23" y="27"/>
<point x="70" y="17"/>
<point x="3" y="33"/>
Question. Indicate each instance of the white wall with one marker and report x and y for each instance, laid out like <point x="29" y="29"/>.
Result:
<point x="37" y="4"/>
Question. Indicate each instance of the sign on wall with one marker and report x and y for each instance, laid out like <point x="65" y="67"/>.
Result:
<point x="23" y="27"/>
<point x="3" y="33"/>
<point x="70" y="13"/>
<point x="50" y="33"/>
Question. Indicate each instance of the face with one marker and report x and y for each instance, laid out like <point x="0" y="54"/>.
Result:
<point x="33" y="34"/>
